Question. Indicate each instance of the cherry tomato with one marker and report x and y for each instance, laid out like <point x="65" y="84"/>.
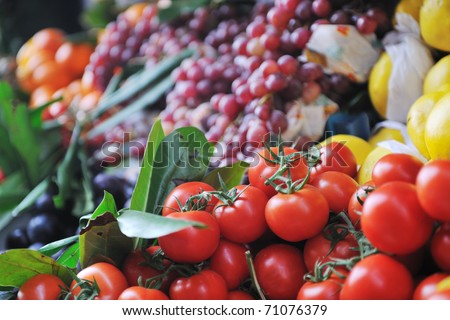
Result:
<point x="325" y="290"/>
<point x="243" y="221"/>
<point x="337" y="187"/>
<point x="230" y="262"/>
<point x="444" y="295"/>
<point x="141" y="293"/>
<point x="192" y="245"/>
<point x="41" y="287"/>
<point x="280" y="270"/>
<point x="378" y="277"/>
<point x="182" y="192"/>
<point x="297" y="216"/>
<point x="427" y="286"/>
<point x="433" y="185"/>
<point x="335" y="156"/>
<point x="206" y="285"/>
<point x="262" y="170"/>
<point x="355" y="204"/>
<point x="393" y="220"/>
<point x="413" y="261"/>
<point x="111" y="281"/>
<point x="396" y="167"/>
<point x="440" y="247"/>
<point x="239" y="295"/>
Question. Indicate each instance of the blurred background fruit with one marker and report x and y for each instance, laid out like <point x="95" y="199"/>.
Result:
<point x="434" y="23"/>
<point x="438" y="77"/>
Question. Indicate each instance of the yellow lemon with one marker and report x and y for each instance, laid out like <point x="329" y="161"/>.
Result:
<point x="379" y="83"/>
<point x="437" y="129"/>
<point x="438" y="77"/>
<point x="417" y="118"/>
<point x="435" y="23"/>
<point x="411" y="7"/>
<point x="386" y="134"/>
<point x="365" y="172"/>
<point x="359" y="147"/>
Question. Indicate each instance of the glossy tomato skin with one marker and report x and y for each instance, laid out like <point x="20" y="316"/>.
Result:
<point x="396" y="167"/>
<point x="41" y="287"/>
<point x="280" y="270"/>
<point x="378" y="277"/>
<point x="393" y="220"/>
<point x="335" y="156"/>
<point x="297" y="216"/>
<point x="206" y="285"/>
<point x="443" y="295"/>
<point x="433" y="185"/>
<point x="244" y="220"/>
<point x="141" y="293"/>
<point x="427" y="287"/>
<point x="440" y="247"/>
<point x="191" y="245"/>
<point x="259" y="172"/>
<point x="111" y="281"/>
<point x="325" y="290"/>
<point x="337" y="188"/>
<point x="355" y="204"/>
<point x="230" y="262"/>
<point x="182" y="192"/>
<point x="239" y="295"/>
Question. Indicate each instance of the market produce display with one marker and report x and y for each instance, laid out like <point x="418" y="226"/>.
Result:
<point x="266" y="149"/>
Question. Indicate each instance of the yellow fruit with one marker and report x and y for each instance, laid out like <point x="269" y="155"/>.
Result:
<point x="379" y="83"/>
<point x="435" y="23"/>
<point x="386" y="134"/>
<point x="437" y="129"/>
<point x="417" y="118"/>
<point x="411" y="7"/>
<point x="443" y="285"/>
<point x="360" y="147"/>
<point x="438" y="77"/>
<point x="365" y="172"/>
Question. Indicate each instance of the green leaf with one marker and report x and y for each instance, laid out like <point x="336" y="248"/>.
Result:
<point x="232" y="175"/>
<point x="150" y="226"/>
<point x="108" y="205"/>
<point x="52" y="248"/>
<point x="6" y="97"/>
<point x="19" y="265"/>
<point x="182" y="156"/>
<point x="36" y="113"/>
<point x="141" y="192"/>
<point x="179" y="7"/>
<point x="31" y="198"/>
<point x="102" y="240"/>
<point x="9" y="159"/>
<point x="71" y="256"/>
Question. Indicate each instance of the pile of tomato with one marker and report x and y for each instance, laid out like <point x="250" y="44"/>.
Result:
<point x="302" y="228"/>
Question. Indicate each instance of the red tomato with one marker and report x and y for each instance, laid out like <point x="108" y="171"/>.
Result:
<point x="230" y="262"/>
<point x="192" y="245"/>
<point x="413" y="261"/>
<point x="393" y="220"/>
<point x="206" y="285"/>
<point x="110" y="280"/>
<point x="440" y="247"/>
<point x="335" y="156"/>
<point x="259" y="172"/>
<point x="396" y="167"/>
<point x="41" y="287"/>
<point x="239" y="295"/>
<point x="325" y="290"/>
<point x="378" y="277"/>
<point x="243" y="221"/>
<point x="280" y="270"/>
<point x="2" y="176"/>
<point x="141" y="293"/>
<point x="337" y="187"/>
<point x="433" y="185"/>
<point x="182" y="193"/>
<point x="318" y="249"/>
<point x="443" y="295"/>
<point x="297" y="216"/>
<point x="427" y="287"/>
<point x="355" y="204"/>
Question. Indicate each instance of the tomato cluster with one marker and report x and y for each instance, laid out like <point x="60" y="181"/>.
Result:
<point x="302" y="229"/>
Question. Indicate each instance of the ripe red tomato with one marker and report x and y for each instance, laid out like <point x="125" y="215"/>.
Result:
<point x="325" y="290"/>
<point x="318" y="249"/>
<point x="378" y="277"/>
<point x="297" y="216"/>
<point x="413" y="261"/>
<point x="259" y="172"/>
<point x="230" y="262"/>
<point x="337" y="187"/>
<point x="141" y="293"/>
<point x="243" y="221"/>
<point x="182" y="192"/>
<point x="191" y="245"/>
<point x="443" y="295"/>
<point x="433" y="185"/>
<point x="440" y="247"/>
<point x="41" y="287"/>
<point x="335" y="156"/>
<point x="393" y="220"/>
<point x="109" y="278"/>
<point x="355" y="204"/>
<point x="2" y="176"/>
<point x="239" y="295"/>
<point x="206" y="285"/>
<point x="396" y="167"/>
<point x="280" y="270"/>
<point x="427" y="287"/>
